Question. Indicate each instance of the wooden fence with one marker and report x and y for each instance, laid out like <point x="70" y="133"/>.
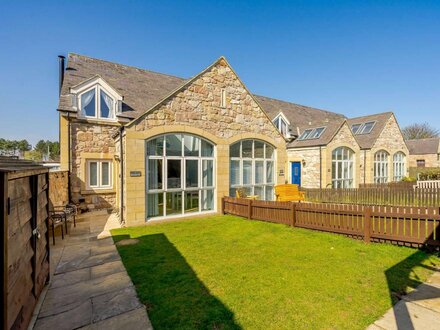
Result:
<point x="24" y="239"/>
<point x="414" y="226"/>
<point x="376" y="196"/>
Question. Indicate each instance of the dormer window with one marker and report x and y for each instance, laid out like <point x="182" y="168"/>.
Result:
<point x="282" y="125"/>
<point x="96" y="99"/>
<point x="94" y="107"/>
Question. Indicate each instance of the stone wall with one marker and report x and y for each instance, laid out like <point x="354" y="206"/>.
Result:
<point x="431" y="160"/>
<point x="92" y="141"/>
<point x="196" y="109"/>
<point x="310" y="169"/>
<point x="58" y="188"/>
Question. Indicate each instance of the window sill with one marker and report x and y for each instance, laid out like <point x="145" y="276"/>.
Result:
<point x="98" y="191"/>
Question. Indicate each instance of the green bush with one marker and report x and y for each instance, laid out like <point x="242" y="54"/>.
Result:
<point x="430" y="175"/>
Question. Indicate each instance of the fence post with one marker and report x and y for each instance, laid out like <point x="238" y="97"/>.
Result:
<point x="250" y="209"/>
<point x="293" y="213"/>
<point x="4" y="212"/>
<point x="223" y="205"/>
<point x="367" y="224"/>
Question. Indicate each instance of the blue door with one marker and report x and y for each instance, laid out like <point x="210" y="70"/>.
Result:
<point x="296" y="173"/>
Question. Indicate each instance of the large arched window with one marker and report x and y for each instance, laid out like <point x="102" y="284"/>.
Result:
<point x="399" y="159"/>
<point x="180" y="175"/>
<point x="252" y="167"/>
<point x="381" y="166"/>
<point x="342" y="168"/>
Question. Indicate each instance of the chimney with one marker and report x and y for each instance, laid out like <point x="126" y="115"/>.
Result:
<point x="60" y="71"/>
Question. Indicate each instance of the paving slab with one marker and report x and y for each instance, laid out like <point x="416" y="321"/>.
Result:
<point x="90" y="287"/>
<point x="133" y="320"/>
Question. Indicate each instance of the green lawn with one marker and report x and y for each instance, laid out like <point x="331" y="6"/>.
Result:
<point x="225" y="272"/>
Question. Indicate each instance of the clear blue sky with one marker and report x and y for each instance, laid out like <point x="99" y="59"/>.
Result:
<point x="352" y="57"/>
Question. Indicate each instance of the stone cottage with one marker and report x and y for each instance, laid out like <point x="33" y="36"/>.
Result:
<point x="155" y="146"/>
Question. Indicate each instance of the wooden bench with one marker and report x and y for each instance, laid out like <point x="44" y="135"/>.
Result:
<point x="288" y="193"/>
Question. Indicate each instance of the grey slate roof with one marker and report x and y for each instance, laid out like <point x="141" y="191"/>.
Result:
<point x="140" y="88"/>
<point x="366" y="141"/>
<point x="423" y="146"/>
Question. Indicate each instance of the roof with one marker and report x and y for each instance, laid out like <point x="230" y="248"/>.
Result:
<point x="423" y="146"/>
<point x="11" y="164"/>
<point x="141" y="89"/>
<point x="366" y="141"/>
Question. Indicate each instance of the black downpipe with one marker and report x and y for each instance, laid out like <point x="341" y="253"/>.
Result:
<point x="69" y="163"/>
<point x="365" y="163"/>
<point x="121" y="156"/>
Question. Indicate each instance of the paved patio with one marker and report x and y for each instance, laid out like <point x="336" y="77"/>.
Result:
<point x="90" y="288"/>
<point x="420" y="309"/>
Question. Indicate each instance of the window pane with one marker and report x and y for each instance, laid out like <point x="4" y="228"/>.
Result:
<point x="88" y="103"/>
<point x="232" y="192"/>
<point x="259" y="191"/>
<point x="106" y="104"/>
<point x="191" y="145"/>
<point x="208" y="200"/>
<point x="105" y="174"/>
<point x="259" y="172"/>
<point x="235" y="150"/>
<point x="174" y="173"/>
<point x="192" y="173"/>
<point x="173" y="145"/>
<point x="269" y="151"/>
<point x="154" y="169"/>
<point x="246" y="147"/>
<point x="174" y="203"/>
<point x="207" y="173"/>
<point x="207" y="149"/>
<point x="234" y="172"/>
<point x="247" y="172"/>
<point x="154" y="205"/>
<point x="259" y="149"/>
<point x="269" y="193"/>
<point x="155" y="147"/>
<point x="270" y="172"/>
<point x="192" y="201"/>
<point x="93" y="175"/>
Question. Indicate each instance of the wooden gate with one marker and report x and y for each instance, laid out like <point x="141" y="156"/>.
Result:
<point x="24" y="239"/>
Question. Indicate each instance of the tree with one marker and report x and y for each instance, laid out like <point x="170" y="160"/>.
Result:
<point x="419" y="131"/>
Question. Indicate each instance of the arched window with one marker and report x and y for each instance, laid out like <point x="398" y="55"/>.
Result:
<point x="342" y="168"/>
<point x="399" y="159"/>
<point x="180" y="175"/>
<point x="252" y="167"/>
<point x="381" y="166"/>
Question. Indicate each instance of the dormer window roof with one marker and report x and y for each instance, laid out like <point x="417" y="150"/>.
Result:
<point x="95" y="99"/>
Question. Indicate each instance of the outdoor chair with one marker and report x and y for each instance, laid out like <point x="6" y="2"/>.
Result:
<point x="57" y="219"/>
<point x="241" y="193"/>
<point x="68" y="212"/>
<point x="288" y="193"/>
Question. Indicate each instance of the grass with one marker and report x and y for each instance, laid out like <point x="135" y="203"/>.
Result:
<point x="225" y="272"/>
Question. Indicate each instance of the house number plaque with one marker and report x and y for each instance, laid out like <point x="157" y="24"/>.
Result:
<point x="135" y="173"/>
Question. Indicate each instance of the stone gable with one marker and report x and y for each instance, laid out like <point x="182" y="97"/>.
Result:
<point x="198" y="104"/>
<point x="391" y="138"/>
<point x="344" y="136"/>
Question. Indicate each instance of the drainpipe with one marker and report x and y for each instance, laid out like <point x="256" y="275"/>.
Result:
<point x="121" y="157"/>
<point x="320" y="167"/>
<point x="365" y="163"/>
<point x="69" y="157"/>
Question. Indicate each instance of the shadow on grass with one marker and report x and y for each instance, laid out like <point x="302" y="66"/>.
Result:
<point x="401" y="279"/>
<point x="175" y="298"/>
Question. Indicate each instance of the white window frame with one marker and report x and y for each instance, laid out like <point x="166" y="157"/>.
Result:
<point x="381" y="160"/>
<point x="343" y="173"/>
<point x="281" y="121"/>
<point x="251" y="186"/>
<point x="361" y="128"/>
<point x="99" y="184"/>
<point x="312" y="133"/>
<point x="98" y="84"/>
<point x="399" y="166"/>
<point x="182" y="189"/>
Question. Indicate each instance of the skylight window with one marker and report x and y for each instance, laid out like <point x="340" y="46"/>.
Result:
<point x="367" y="127"/>
<point x="355" y="128"/>
<point x="312" y="133"/>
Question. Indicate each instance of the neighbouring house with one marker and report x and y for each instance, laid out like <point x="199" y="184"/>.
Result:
<point x="424" y="154"/>
<point x="152" y="145"/>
